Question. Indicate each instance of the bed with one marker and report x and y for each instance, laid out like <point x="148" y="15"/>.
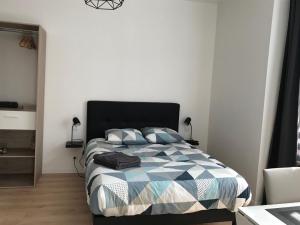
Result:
<point x="176" y="184"/>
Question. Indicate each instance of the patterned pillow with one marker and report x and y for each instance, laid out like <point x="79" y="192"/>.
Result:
<point x="126" y="136"/>
<point x="157" y="135"/>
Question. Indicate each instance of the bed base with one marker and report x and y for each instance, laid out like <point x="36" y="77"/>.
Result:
<point x="207" y="216"/>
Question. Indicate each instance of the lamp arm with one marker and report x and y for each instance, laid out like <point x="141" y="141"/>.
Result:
<point x="191" y="137"/>
<point x="72" y="133"/>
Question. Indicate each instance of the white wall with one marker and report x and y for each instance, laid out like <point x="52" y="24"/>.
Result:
<point x="275" y="61"/>
<point x="18" y="70"/>
<point x="145" y="51"/>
<point x="238" y="86"/>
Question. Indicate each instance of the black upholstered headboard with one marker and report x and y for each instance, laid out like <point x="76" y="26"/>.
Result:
<point x="104" y="115"/>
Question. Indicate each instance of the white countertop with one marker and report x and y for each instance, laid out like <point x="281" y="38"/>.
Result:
<point x="258" y="214"/>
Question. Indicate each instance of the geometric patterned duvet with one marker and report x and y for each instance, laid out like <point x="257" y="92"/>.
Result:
<point x="172" y="179"/>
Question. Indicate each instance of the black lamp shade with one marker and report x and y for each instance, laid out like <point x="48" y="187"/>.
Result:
<point x="104" y="4"/>
<point x="76" y="121"/>
<point x="187" y="121"/>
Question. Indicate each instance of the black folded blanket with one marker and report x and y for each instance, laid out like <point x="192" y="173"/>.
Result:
<point x="117" y="160"/>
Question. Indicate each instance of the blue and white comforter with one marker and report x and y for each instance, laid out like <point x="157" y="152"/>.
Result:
<point x="172" y="179"/>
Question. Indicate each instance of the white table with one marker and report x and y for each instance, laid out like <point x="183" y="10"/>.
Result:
<point x="259" y="216"/>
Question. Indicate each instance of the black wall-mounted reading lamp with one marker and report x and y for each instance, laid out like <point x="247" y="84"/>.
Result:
<point x="74" y="143"/>
<point x="76" y="122"/>
<point x="188" y="122"/>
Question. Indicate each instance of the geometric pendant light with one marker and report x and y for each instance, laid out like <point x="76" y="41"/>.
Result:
<point x="104" y="4"/>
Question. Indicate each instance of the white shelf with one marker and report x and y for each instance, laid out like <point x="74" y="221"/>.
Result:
<point x="17" y="120"/>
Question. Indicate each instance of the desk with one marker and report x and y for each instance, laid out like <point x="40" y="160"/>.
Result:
<point x="269" y="214"/>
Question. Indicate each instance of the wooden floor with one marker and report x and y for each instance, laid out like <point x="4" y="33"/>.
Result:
<point x="57" y="200"/>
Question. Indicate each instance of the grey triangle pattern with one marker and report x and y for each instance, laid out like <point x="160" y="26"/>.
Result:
<point x="126" y="136"/>
<point x="112" y="199"/>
